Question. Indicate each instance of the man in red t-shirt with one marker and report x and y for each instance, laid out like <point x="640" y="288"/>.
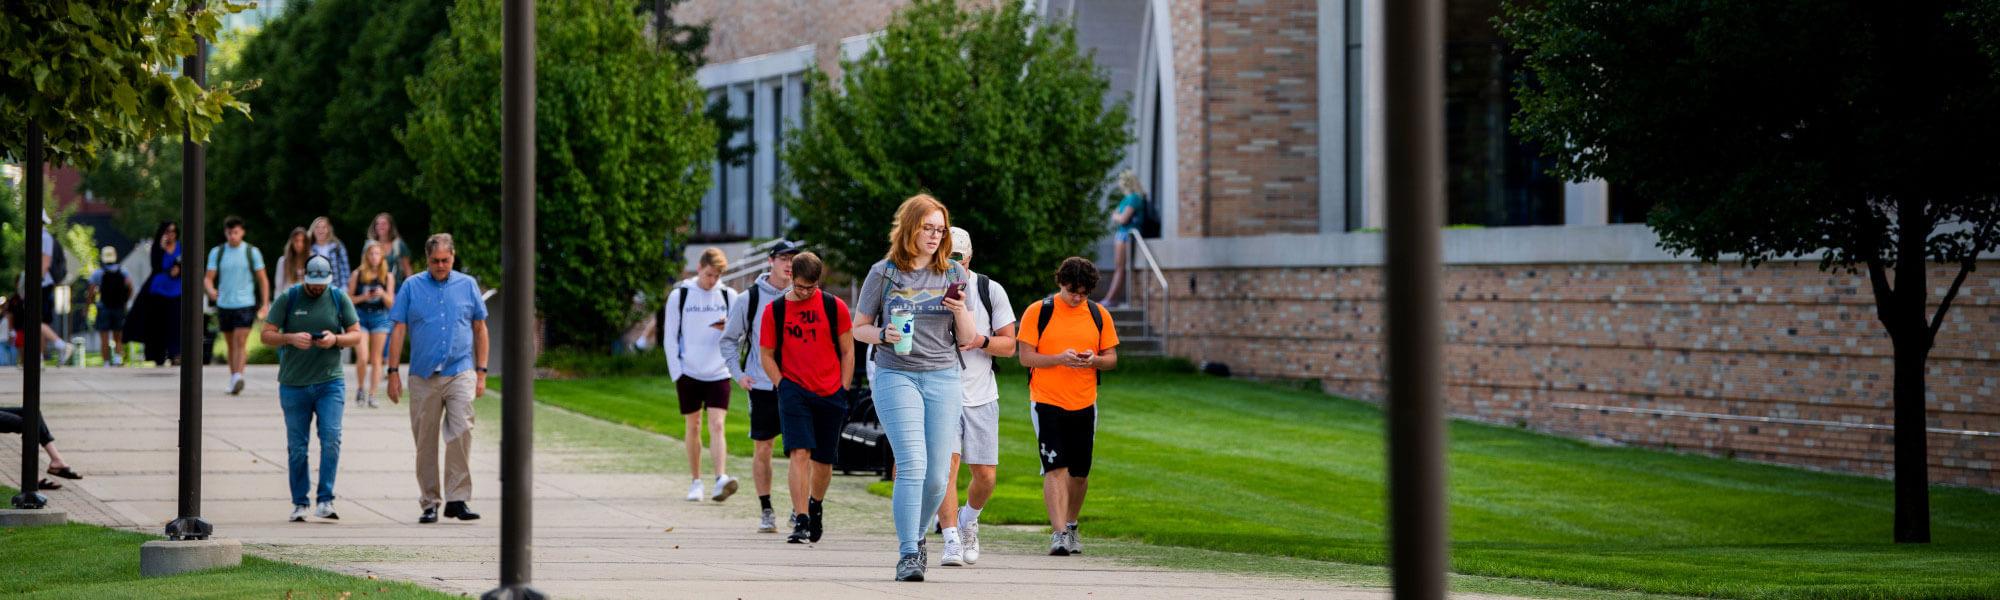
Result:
<point x="808" y="348"/>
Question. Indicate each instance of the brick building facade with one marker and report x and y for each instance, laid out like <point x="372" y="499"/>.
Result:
<point x="1258" y="129"/>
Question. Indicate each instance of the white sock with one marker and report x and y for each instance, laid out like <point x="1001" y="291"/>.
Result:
<point x="968" y="514"/>
<point x="951" y="534"/>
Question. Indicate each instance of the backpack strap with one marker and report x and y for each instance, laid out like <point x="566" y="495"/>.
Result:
<point x="680" y="333"/>
<point x="750" y="314"/>
<point x="1097" y="318"/>
<point x="1048" y="311"/>
<point x="986" y="297"/>
<point x="778" y="325"/>
<point x="832" y="326"/>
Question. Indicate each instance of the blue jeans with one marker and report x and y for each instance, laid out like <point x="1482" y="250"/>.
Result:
<point x="301" y="404"/>
<point x="920" y="412"/>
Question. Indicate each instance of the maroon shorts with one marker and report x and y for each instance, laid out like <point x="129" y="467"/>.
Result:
<point x="696" y="394"/>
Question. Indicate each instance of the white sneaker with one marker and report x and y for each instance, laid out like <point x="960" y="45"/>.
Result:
<point x="372" y="403"/>
<point x="235" y="383"/>
<point x="299" y="514"/>
<point x="970" y="530"/>
<point x="694" y="491"/>
<point x="64" y="349"/>
<point x="117" y="361"/>
<point x="325" y="510"/>
<point x="954" y="551"/>
<point x="724" y="487"/>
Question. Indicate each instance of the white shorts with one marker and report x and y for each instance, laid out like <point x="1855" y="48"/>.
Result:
<point x="978" y="441"/>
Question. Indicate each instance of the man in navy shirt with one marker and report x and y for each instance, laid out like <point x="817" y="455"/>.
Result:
<point x="439" y="311"/>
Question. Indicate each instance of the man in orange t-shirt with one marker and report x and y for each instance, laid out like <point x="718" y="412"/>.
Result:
<point x="1065" y="341"/>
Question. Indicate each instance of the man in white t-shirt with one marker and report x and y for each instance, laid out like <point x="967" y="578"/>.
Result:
<point x="979" y="423"/>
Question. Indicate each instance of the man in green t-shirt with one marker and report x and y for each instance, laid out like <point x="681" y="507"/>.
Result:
<point x="309" y="324"/>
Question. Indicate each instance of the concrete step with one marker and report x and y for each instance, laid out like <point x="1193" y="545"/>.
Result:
<point x="1128" y="315"/>
<point x="1132" y="329"/>
<point x="1140" y="346"/>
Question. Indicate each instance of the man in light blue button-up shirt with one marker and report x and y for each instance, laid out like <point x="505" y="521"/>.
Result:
<point x="439" y="311"/>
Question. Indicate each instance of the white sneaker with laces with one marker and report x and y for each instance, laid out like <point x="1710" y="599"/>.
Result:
<point x="954" y="550"/>
<point x="970" y="530"/>
<point x="325" y="510"/>
<point x="299" y="514"/>
<point x="694" y="491"/>
<point x="724" y="487"/>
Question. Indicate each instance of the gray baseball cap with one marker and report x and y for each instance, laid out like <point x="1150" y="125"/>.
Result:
<point x="319" y="271"/>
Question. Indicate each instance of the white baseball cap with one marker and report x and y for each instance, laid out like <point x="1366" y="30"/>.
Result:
<point x="961" y="241"/>
<point x="319" y="271"/>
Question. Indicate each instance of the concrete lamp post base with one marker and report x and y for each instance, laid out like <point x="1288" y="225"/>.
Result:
<point x="160" y="558"/>
<point x="514" y="592"/>
<point x="32" y="517"/>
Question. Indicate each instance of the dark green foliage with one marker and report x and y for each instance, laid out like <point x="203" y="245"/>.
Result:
<point x="366" y="170"/>
<point x="621" y="144"/>
<point x="995" y="113"/>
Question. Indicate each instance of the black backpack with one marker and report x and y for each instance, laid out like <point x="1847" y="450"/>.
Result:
<point x="58" y="265"/>
<point x="1148" y="223"/>
<point x="1048" y="312"/>
<point x="115" y="289"/>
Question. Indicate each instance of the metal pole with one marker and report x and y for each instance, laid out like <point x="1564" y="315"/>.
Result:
<point x="194" y="191"/>
<point x="517" y="264"/>
<point x="1413" y="97"/>
<point x="31" y="350"/>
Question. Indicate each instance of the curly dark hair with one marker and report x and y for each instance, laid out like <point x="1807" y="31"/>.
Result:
<point x="1076" y="273"/>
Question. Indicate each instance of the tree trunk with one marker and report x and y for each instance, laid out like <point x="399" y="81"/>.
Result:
<point x="1913" y="500"/>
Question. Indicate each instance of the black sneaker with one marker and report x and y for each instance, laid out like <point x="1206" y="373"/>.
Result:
<point x="910" y="567"/>
<point x="800" y="531"/>
<point x="458" y="510"/>
<point x="816" y="520"/>
<point x="430" y="515"/>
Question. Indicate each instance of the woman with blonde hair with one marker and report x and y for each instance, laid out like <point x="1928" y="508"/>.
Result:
<point x="692" y="323"/>
<point x="325" y="244"/>
<point x="1126" y="218"/>
<point x="374" y="293"/>
<point x="912" y="306"/>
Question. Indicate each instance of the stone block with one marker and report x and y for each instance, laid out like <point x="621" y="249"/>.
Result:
<point x="160" y="558"/>
<point x="32" y="517"/>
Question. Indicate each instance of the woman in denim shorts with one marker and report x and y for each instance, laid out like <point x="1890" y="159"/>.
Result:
<point x="374" y="291"/>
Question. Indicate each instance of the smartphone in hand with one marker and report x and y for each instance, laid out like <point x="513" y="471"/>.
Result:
<point x="956" y="291"/>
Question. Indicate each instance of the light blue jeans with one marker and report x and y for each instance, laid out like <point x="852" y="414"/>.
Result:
<point x="302" y="403"/>
<point x="919" y="412"/>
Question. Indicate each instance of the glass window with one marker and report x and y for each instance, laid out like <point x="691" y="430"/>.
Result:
<point x="1493" y="178"/>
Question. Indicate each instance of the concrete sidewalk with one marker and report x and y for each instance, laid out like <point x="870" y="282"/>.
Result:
<point x="610" y="521"/>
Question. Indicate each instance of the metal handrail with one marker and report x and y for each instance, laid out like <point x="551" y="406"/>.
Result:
<point x="755" y="267"/>
<point x="1166" y="295"/>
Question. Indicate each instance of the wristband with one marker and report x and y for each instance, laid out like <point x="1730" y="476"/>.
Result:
<point x="984" y="340"/>
<point x="481" y="369"/>
<point x="392" y="370"/>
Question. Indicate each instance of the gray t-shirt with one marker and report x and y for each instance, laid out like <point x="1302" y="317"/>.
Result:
<point x="923" y="292"/>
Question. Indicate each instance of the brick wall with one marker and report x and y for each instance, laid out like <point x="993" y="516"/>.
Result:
<point x="1634" y="354"/>
<point x="1190" y="108"/>
<point x="1262" y="115"/>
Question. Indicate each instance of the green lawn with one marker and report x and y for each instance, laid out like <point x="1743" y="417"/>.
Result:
<point x="1195" y="461"/>
<point x="86" y="561"/>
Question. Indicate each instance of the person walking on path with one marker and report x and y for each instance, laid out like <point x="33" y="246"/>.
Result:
<point x="1068" y="342"/>
<point x="746" y="316"/>
<point x="58" y="347"/>
<point x="696" y="314"/>
<point x="292" y="263"/>
<point x="806" y="344"/>
<point x="308" y="324"/>
<point x="439" y="311"/>
<point x="1126" y="217"/>
<point x="325" y="244"/>
<point x="978" y="439"/>
<point x="241" y="290"/>
<point x="374" y="292"/>
<point x="155" y="318"/>
<point x="382" y="231"/>
<point x="111" y="289"/>
<point x="917" y="393"/>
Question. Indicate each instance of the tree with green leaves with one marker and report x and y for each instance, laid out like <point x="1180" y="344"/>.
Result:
<point x="998" y="114"/>
<point x="1856" y="131"/>
<point x="622" y="154"/>
<point x="96" y="75"/>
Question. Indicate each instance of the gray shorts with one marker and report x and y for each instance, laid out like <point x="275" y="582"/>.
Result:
<point x="979" y="434"/>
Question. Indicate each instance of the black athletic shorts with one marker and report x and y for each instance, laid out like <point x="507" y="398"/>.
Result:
<point x="231" y="319"/>
<point x="696" y="394"/>
<point x="1066" y="438"/>
<point x="764" y="422"/>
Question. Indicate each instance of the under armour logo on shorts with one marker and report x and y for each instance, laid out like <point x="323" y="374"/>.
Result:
<point x="1047" y="454"/>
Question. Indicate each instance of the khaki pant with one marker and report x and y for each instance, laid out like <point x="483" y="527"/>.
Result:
<point x="445" y="403"/>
